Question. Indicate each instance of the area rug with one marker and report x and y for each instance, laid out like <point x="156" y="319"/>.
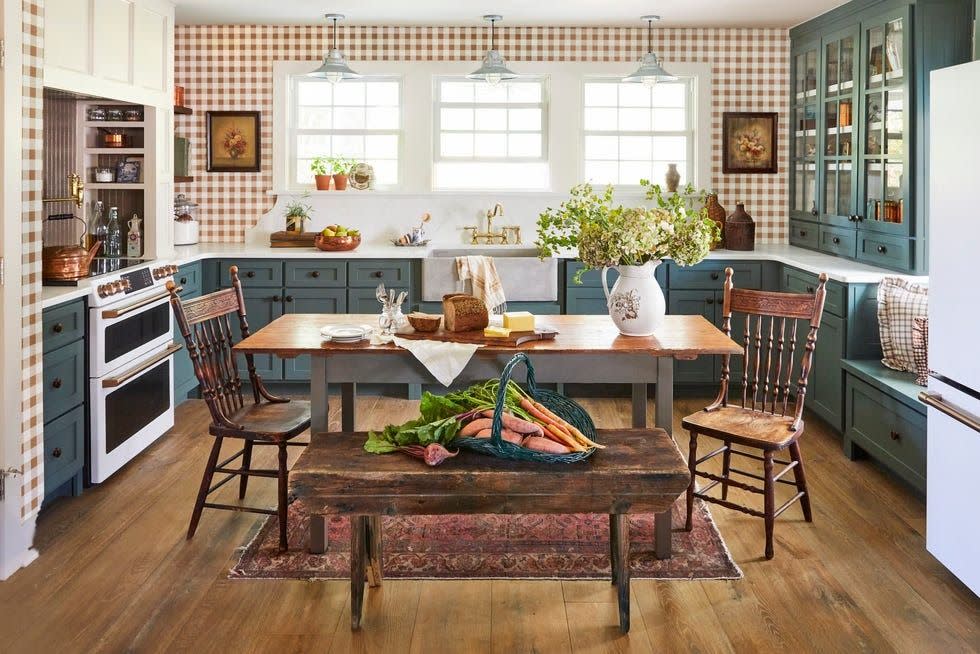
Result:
<point x="574" y="546"/>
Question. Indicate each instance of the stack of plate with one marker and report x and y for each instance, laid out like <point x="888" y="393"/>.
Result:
<point x="345" y="333"/>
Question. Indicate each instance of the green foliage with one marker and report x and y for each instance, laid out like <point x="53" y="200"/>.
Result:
<point x="341" y="165"/>
<point x="318" y="166"/>
<point x="298" y="208"/>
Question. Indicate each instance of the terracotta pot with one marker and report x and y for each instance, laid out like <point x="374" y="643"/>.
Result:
<point x="322" y="182"/>
<point x="340" y="182"/>
<point x="672" y="178"/>
<point x="717" y="213"/>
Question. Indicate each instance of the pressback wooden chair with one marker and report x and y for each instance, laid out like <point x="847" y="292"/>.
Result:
<point x="767" y="417"/>
<point x="205" y="323"/>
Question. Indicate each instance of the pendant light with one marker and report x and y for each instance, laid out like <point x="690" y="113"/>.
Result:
<point x="650" y="71"/>
<point x="334" y="68"/>
<point x="494" y="69"/>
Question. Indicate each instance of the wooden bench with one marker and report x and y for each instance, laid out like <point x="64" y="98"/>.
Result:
<point x="640" y="471"/>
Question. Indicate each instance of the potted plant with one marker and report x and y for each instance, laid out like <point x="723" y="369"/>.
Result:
<point x="341" y="167"/>
<point x="319" y="169"/>
<point x="297" y="213"/>
<point x="633" y="240"/>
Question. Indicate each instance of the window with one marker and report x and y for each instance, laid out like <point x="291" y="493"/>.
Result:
<point x="490" y="136"/>
<point x="358" y="119"/>
<point x="633" y="131"/>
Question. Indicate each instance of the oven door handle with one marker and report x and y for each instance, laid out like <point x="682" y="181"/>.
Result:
<point x="936" y="401"/>
<point x="116" y="313"/>
<point x="110" y="382"/>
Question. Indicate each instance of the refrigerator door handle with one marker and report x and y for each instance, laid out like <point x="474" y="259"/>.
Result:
<point x="936" y="401"/>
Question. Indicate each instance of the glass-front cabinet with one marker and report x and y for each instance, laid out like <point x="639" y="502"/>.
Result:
<point x="839" y="146"/>
<point x="804" y="107"/>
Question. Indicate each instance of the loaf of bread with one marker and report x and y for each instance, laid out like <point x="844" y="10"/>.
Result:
<point x="464" y="313"/>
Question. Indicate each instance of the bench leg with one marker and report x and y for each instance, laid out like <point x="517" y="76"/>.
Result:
<point x="661" y="535"/>
<point x="622" y="568"/>
<point x="375" y="571"/>
<point x="318" y="534"/>
<point x="358" y="556"/>
<point x="613" y="540"/>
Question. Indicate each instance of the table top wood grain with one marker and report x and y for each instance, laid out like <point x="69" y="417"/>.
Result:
<point x="682" y="337"/>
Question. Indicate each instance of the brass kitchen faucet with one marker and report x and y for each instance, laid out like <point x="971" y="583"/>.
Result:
<point x="490" y="236"/>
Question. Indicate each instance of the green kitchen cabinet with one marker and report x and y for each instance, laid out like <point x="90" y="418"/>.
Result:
<point x="804" y="108"/>
<point x="827" y="378"/>
<point x="309" y="300"/>
<point x="365" y="300"/>
<point x="190" y="280"/>
<point x="702" y="370"/>
<point x="262" y="306"/>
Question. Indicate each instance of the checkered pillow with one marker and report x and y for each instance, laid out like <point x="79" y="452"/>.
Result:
<point x="899" y="302"/>
<point x="920" y="349"/>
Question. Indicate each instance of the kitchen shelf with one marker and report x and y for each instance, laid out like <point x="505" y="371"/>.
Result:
<point x="139" y="151"/>
<point x="181" y="179"/>
<point x="115" y="186"/>
<point x="183" y="111"/>
<point x="119" y="124"/>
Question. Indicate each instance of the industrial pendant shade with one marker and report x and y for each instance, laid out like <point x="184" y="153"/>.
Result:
<point x="494" y="69"/>
<point x="334" y="68"/>
<point x="650" y="71"/>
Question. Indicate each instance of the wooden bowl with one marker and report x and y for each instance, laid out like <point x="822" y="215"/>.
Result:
<point x="425" y="322"/>
<point x="336" y="243"/>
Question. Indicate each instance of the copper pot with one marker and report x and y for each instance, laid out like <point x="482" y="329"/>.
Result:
<point x="113" y="140"/>
<point x="67" y="262"/>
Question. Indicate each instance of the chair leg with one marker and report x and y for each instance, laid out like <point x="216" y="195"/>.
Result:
<point x="246" y="465"/>
<point x="283" y="490"/>
<point x="770" y="501"/>
<point x="799" y="474"/>
<point x="202" y="494"/>
<point x="726" y="466"/>
<point x="692" y="462"/>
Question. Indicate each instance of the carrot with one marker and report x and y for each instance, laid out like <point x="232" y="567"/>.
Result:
<point x="564" y="439"/>
<point x="514" y="423"/>
<point x="529" y="406"/>
<point x="474" y="426"/>
<point x="539" y="444"/>
<point x="572" y="429"/>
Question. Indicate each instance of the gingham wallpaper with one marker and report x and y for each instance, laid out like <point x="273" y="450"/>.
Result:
<point x="230" y="67"/>
<point x="32" y="489"/>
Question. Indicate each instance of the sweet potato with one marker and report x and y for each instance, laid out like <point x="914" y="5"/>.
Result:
<point x="505" y="434"/>
<point x="541" y="444"/>
<point x="483" y="433"/>
<point x="474" y="426"/>
<point x="514" y="423"/>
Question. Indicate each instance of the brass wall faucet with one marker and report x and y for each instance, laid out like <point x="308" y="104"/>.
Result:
<point x="490" y="236"/>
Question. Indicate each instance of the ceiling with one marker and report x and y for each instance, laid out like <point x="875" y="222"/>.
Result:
<point x="687" y="13"/>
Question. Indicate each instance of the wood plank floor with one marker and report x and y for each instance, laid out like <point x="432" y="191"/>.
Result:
<point x="116" y="574"/>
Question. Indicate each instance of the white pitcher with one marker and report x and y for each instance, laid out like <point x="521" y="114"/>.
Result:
<point x="636" y="302"/>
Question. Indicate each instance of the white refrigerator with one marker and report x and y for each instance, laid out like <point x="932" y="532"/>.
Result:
<point x="953" y="463"/>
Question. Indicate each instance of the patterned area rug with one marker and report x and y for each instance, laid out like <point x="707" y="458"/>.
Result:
<point x="493" y="547"/>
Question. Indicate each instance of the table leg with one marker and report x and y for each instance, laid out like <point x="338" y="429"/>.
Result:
<point x="613" y="543"/>
<point x="664" y="418"/>
<point x="319" y="401"/>
<point x="348" y="405"/>
<point x="358" y="555"/>
<point x="622" y="568"/>
<point x="639" y="406"/>
<point x="318" y="534"/>
<point x="375" y="571"/>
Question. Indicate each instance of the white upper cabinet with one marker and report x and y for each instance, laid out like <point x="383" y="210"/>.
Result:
<point x="120" y="49"/>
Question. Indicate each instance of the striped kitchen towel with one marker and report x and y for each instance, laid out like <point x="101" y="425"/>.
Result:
<point x="482" y="272"/>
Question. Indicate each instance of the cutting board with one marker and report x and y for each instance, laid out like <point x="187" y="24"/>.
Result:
<point x="292" y="239"/>
<point x="477" y="337"/>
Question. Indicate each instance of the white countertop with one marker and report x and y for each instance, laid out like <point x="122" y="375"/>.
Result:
<point x="841" y="270"/>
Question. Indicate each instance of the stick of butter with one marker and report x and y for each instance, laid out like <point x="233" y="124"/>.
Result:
<point x="519" y="321"/>
<point x="496" y="332"/>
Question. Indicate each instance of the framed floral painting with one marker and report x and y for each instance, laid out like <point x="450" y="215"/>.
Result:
<point x="748" y="142"/>
<point x="234" y="143"/>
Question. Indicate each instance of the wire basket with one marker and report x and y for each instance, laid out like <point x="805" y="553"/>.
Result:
<point x="567" y="409"/>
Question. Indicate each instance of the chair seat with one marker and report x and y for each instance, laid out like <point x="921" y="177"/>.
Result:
<point x="269" y="421"/>
<point x="745" y="426"/>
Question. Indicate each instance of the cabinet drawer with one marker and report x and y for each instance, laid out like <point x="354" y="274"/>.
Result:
<point x="842" y="242"/>
<point x="798" y="281"/>
<point x="803" y="234"/>
<point x="369" y="273"/>
<point x="585" y="301"/>
<point x="64" y="379"/>
<point x="63" y="324"/>
<point x="888" y="251"/>
<point x="316" y="274"/>
<point x="710" y="275"/>
<point x="189" y="279"/>
<point x="887" y="429"/>
<point x="64" y="447"/>
<point x="253" y="273"/>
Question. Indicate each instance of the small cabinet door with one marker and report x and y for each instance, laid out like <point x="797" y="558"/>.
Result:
<point x="838" y="134"/>
<point x="262" y="306"/>
<point x="704" y="303"/>
<point x="585" y="300"/>
<point x="184" y="378"/>
<point x="310" y="300"/>
<point x="803" y="141"/>
<point x="826" y="383"/>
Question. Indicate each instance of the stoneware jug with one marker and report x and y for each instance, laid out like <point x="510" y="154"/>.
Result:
<point x="636" y="302"/>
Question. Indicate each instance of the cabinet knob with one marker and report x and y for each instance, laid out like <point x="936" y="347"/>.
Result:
<point x="714" y="275"/>
<point x="250" y="274"/>
<point x="881" y="249"/>
<point x="836" y="240"/>
<point x="802" y="233"/>
<point x="276" y="298"/>
<point x="859" y="218"/>
<point x="815" y="213"/>
<point x="709" y="300"/>
<point x="56" y="383"/>
<point x="315" y="274"/>
<point x="379" y="273"/>
<point x="895" y="436"/>
<point x="289" y="298"/>
<point x="56" y="452"/>
<point x="58" y="328"/>
<point x="810" y="289"/>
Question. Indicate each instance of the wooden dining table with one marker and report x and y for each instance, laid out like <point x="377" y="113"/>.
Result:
<point x="587" y="350"/>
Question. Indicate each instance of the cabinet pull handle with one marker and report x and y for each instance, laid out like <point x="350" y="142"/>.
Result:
<point x="56" y="452"/>
<point x="881" y="249"/>
<point x="836" y="240"/>
<point x="315" y="274"/>
<point x="895" y="436"/>
<point x="183" y="280"/>
<point x="276" y="298"/>
<point x="58" y="328"/>
<point x="289" y="298"/>
<point x="56" y="383"/>
<point x="379" y="273"/>
<point x="714" y="275"/>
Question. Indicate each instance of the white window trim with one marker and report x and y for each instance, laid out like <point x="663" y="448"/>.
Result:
<point x="565" y="134"/>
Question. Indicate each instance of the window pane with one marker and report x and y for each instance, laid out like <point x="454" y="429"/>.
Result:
<point x="456" y="119"/>
<point x="314" y="117"/>
<point x="385" y="172"/>
<point x="457" y="91"/>
<point x="634" y="120"/>
<point x="348" y="145"/>
<point x="598" y="120"/>
<point x="485" y="93"/>
<point x="601" y="147"/>
<point x="303" y="174"/>
<point x="490" y="145"/>
<point x="670" y="94"/>
<point x="669" y="120"/>
<point x="382" y="118"/>
<point x="524" y="145"/>
<point x="670" y="148"/>
<point x="491" y="120"/>
<point x="631" y="172"/>
<point x="491" y="175"/>
<point x="525" y="119"/>
<point x="314" y="93"/>
<point x="456" y="145"/>
<point x="348" y="118"/>
<point x="634" y="95"/>
<point x="602" y="172"/>
<point x="378" y="146"/>
<point x="635" y="148"/>
<point x="525" y="93"/>
<point x="382" y="94"/>
<point x="349" y="93"/>
<point x="310" y="145"/>
<point x="600" y="95"/>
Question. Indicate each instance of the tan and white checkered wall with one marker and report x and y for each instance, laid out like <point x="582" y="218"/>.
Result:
<point x="230" y="67"/>
<point x="32" y="421"/>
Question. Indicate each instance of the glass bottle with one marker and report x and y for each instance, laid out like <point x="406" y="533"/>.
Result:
<point x="98" y="227"/>
<point x="114" y="234"/>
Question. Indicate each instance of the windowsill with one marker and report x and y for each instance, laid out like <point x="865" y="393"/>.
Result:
<point x="392" y="193"/>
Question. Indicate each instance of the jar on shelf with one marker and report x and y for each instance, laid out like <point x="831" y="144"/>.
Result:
<point x="133" y="114"/>
<point x="96" y="113"/>
<point x="115" y="114"/>
<point x="104" y="175"/>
